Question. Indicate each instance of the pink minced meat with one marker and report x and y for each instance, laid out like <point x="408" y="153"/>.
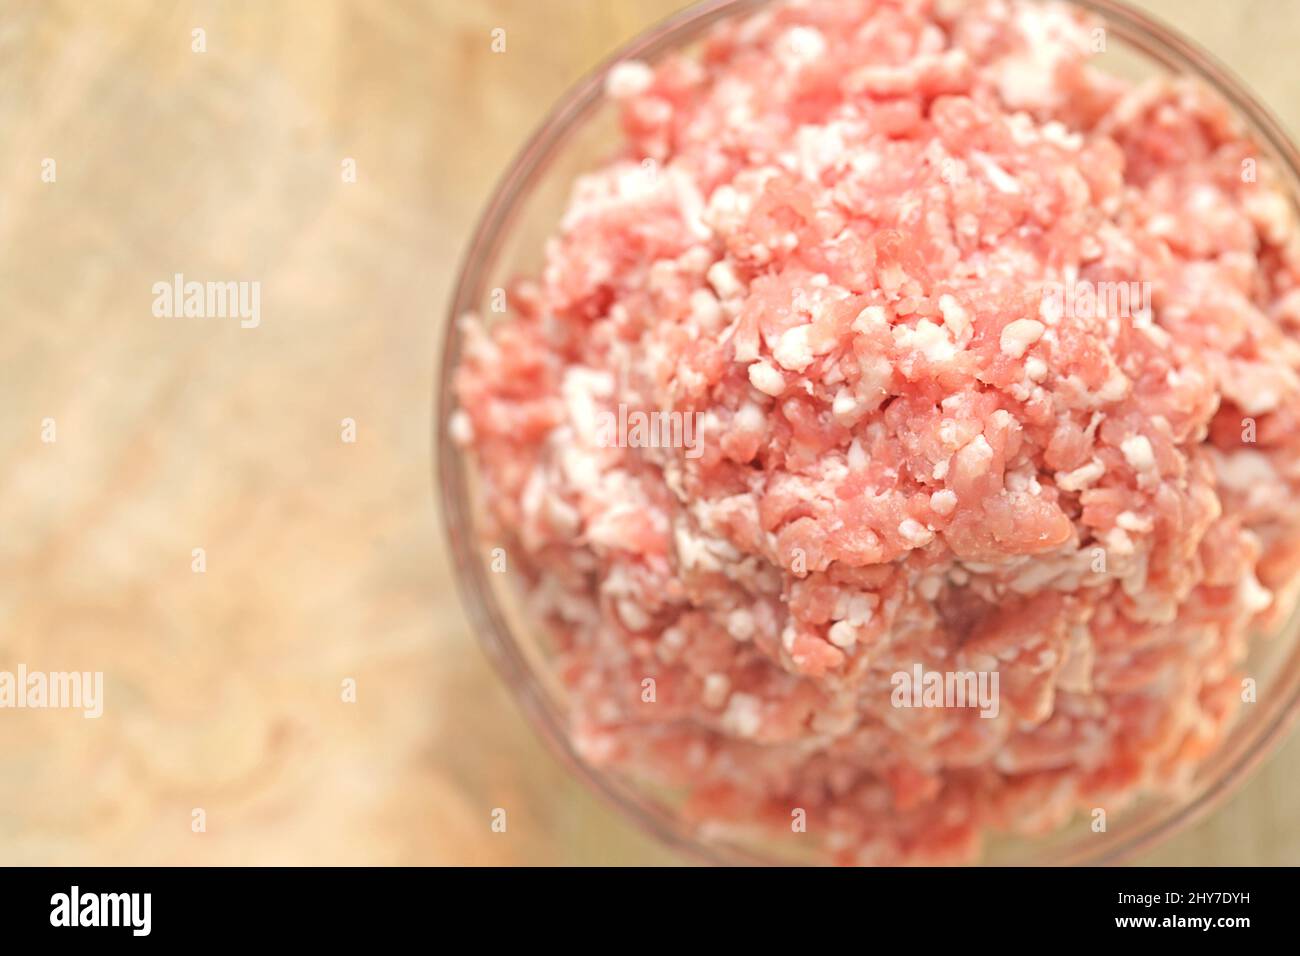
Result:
<point x="831" y="233"/>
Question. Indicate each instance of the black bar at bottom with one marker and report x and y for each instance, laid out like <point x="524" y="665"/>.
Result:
<point x="336" y="906"/>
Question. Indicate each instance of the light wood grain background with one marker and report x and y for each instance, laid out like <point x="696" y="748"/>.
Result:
<point x="324" y="560"/>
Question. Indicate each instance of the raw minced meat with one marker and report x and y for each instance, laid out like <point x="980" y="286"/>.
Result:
<point x="876" y="250"/>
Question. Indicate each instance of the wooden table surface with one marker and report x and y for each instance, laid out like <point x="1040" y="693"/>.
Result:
<point x="324" y="563"/>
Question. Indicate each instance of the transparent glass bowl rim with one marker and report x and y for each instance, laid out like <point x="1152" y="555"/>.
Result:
<point x="1139" y="31"/>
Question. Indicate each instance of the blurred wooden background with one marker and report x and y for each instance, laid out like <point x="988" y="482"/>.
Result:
<point x="324" y="561"/>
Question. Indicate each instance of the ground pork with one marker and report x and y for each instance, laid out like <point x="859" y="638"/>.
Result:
<point x="992" y="360"/>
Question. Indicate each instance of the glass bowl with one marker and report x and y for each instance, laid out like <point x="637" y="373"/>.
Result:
<point x="507" y="242"/>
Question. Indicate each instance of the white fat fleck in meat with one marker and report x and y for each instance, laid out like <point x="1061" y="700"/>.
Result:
<point x="726" y="208"/>
<point x="842" y="634"/>
<point x="1019" y="335"/>
<point x="766" y="379"/>
<point x="583" y="388"/>
<point x="857" y="457"/>
<point x="705" y="309"/>
<point x="802" y="44"/>
<point x="743" y="716"/>
<point x="1254" y="597"/>
<point x="460" y="428"/>
<point x="745" y="347"/>
<point x="740" y="624"/>
<point x="873" y="316"/>
<point x="1138" y="453"/>
<point x="1115" y="387"/>
<point x="975" y="456"/>
<point x="915" y="533"/>
<point x="693" y="550"/>
<point x="750" y="419"/>
<point x="633" y="615"/>
<point x="628" y="78"/>
<point x="1131" y="521"/>
<point x="1082" y="477"/>
<point x="1024" y="479"/>
<point x="1245" y="470"/>
<point x="1046" y="36"/>
<point x="929" y="339"/>
<point x="845" y="407"/>
<point x="818" y="148"/>
<point x="1260" y="402"/>
<point x="580" y="465"/>
<point x="860" y="610"/>
<point x="716" y="689"/>
<point x="871" y="387"/>
<point x="955" y="316"/>
<point x="1118" y="543"/>
<point x="943" y="502"/>
<point x="722" y="276"/>
<point x="1002" y="181"/>
<point x="671" y="644"/>
<point x="792" y="350"/>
